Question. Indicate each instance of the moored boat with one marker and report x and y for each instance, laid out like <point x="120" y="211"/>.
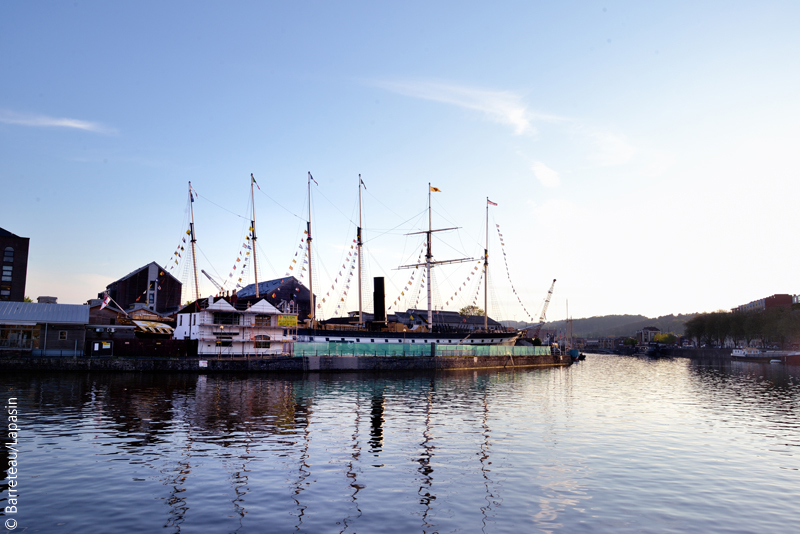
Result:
<point x="749" y="354"/>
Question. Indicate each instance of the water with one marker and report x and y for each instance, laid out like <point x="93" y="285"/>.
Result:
<point x="612" y="444"/>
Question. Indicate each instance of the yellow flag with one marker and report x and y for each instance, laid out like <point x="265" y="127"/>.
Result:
<point x="435" y="189"/>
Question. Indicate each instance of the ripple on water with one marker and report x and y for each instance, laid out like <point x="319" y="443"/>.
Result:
<point x="613" y="444"/>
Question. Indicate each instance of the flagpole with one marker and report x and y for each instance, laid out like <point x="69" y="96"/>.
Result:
<point x="255" y="264"/>
<point x="308" y="242"/>
<point x="360" y="312"/>
<point x="194" y="256"/>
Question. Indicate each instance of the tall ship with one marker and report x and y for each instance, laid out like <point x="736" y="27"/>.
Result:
<point x="414" y="326"/>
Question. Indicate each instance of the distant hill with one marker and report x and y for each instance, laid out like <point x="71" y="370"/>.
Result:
<point x="615" y="325"/>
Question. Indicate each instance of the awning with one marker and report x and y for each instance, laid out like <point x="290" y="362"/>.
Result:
<point x="153" y="327"/>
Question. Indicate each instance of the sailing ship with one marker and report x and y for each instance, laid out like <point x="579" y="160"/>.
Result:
<point x="379" y="330"/>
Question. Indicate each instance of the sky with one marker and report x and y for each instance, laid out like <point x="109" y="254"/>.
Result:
<point x="643" y="154"/>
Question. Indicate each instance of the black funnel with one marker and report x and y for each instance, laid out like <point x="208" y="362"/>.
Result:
<point x="379" y="300"/>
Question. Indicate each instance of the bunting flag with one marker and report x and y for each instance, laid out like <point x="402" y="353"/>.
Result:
<point x="435" y="189"/>
<point x="254" y="181"/>
<point x="491" y="203"/>
<point x="508" y="273"/>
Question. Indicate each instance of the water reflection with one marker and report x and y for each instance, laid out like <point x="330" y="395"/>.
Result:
<point x="542" y="450"/>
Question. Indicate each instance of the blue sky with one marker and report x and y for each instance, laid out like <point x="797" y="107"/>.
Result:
<point x="643" y="154"/>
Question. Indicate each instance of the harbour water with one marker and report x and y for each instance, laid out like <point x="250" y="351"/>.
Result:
<point x="612" y="444"/>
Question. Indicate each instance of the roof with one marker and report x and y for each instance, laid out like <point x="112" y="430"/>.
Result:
<point x="443" y="317"/>
<point x="35" y="313"/>
<point x="262" y="306"/>
<point x="264" y="288"/>
<point x="220" y="305"/>
<point x="160" y="270"/>
<point x="6" y="233"/>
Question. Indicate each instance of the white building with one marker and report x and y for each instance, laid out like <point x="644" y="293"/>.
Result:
<point x="222" y="330"/>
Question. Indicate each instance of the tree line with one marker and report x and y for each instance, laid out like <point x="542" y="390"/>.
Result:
<point x="776" y="326"/>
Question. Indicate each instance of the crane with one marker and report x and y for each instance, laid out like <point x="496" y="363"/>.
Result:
<point x="217" y="284"/>
<point x="542" y="317"/>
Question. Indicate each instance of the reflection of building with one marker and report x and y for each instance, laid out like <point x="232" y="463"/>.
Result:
<point x="43" y="329"/>
<point x="219" y="328"/>
<point x="775" y="301"/>
<point x="14" y="251"/>
<point x="149" y="288"/>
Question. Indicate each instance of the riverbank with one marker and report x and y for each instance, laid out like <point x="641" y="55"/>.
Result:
<point x="279" y="363"/>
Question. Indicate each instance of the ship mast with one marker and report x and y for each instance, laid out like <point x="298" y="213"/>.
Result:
<point x="429" y="255"/>
<point x="359" y="243"/>
<point x="193" y="240"/>
<point x="308" y="242"/>
<point x="486" y="274"/>
<point x="253" y="228"/>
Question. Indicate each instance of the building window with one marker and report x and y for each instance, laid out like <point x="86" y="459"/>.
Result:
<point x="194" y="319"/>
<point x="8" y="255"/>
<point x="226" y="318"/>
<point x="310" y="338"/>
<point x="180" y="320"/>
<point x="262" y="342"/>
<point x="262" y="320"/>
<point x="6" y="273"/>
<point x="62" y="335"/>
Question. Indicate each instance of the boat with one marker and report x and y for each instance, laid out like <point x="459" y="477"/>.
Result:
<point x="749" y="354"/>
<point x="379" y="330"/>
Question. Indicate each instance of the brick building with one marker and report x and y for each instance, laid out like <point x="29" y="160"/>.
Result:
<point x="14" y="251"/>
<point x="150" y="288"/>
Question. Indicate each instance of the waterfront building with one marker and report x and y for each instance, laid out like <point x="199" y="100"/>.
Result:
<point x="775" y="301"/>
<point x="647" y="334"/>
<point x="148" y="288"/>
<point x="251" y="329"/>
<point x="43" y="329"/>
<point x="14" y="251"/>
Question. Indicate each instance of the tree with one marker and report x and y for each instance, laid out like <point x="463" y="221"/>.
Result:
<point x="666" y="339"/>
<point x="471" y="310"/>
<point x="630" y="342"/>
<point x="27" y="299"/>
<point x="696" y="327"/>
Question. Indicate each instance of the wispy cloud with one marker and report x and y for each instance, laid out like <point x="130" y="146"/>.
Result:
<point x="546" y="176"/>
<point x="43" y="121"/>
<point x="610" y="149"/>
<point x="504" y="107"/>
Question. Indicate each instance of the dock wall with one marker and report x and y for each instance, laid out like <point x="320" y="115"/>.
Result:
<point x="279" y="364"/>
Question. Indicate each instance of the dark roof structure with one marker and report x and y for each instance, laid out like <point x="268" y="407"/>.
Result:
<point x="6" y="233"/>
<point x="33" y="312"/>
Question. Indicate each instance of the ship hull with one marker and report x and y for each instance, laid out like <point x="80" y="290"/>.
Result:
<point x="307" y="335"/>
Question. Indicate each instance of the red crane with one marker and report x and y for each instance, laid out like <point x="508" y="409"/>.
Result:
<point x="542" y="317"/>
